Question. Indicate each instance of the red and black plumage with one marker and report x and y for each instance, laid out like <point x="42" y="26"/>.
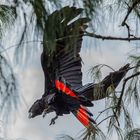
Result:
<point x="61" y="64"/>
<point x="76" y="104"/>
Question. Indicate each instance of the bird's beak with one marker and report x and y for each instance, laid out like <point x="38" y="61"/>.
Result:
<point x="30" y="115"/>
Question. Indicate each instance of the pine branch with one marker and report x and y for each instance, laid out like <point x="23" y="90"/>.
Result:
<point x="123" y="88"/>
<point x="101" y="112"/>
<point x="130" y="9"/>
<point x="105" y="119"/>
<point x="102" y="37"/>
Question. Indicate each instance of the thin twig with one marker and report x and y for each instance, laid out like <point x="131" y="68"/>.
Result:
<point x="102" y="65"/>
<point x="103" y="112"/>
<point x="105" y="119"/>
<point x="26" y="42"/>
<point x="134" y="67"/>
<point x="97" y="36"/>
<point x="86" y="34"/>
<point x="116" y="117"/>
<point x="123" y="88"/>
<point x="130" y="9"/>
<point x="128" y="29"/>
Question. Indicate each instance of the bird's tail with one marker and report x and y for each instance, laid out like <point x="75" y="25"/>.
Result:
<point x="81" y="112"/>
<point x="84" y="116"/>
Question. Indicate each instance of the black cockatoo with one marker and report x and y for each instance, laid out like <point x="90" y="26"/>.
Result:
<point x="61" y="64"/>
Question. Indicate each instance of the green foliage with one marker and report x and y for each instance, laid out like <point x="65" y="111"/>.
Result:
<point x="118" y="115"/>
<point x="95" y="134"/>
<point x="7" y="16"/>
<point x="97" y="10"/>
<point x="40" y="12"/>
<point x="133" y="90"/>
<point x="87" y="134"/>
<point x="96" y="72"/>
<point x="8" y="89"/>
<point x="64" y="137"/>
<point x="8" y="84"/>
<point x="133" y="134"/>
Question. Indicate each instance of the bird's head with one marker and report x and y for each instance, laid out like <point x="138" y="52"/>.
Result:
<point x="37" y="108"/>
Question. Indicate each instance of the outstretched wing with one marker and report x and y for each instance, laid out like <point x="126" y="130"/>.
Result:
<point x="61" y="47"/>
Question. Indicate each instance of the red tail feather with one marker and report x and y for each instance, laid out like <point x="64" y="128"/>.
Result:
<point x="84" y="117"/>
<point x="82" y="114"/>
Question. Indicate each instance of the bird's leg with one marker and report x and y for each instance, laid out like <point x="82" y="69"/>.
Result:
<point x="47" y="110"/>
<point x="53" y="120"/>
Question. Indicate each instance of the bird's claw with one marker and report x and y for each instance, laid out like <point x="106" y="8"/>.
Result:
<point x="53" y="120"/>
<point x="44" y="114"/>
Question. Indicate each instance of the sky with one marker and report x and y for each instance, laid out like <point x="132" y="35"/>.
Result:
<point x="31" y="84"/>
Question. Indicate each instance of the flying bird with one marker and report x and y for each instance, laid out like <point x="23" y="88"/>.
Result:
<point x="61" y="64"/>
